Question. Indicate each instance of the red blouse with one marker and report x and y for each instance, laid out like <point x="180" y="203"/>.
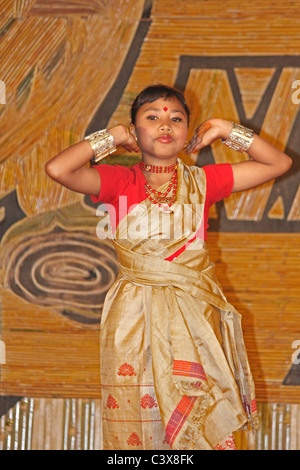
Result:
<point x="117" y="180"/>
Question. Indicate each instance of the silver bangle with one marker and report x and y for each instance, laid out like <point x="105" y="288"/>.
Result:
<point x="102" y="143"/>
<point x="240" y="138"/>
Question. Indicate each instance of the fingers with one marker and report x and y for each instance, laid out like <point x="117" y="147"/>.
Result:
<point x="196" y="142"/>
<point x="124" y="137"/>
<point x="131" y="144"/>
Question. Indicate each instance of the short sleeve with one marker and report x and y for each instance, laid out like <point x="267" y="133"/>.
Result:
<point x="219" y="182"/>
<point x="114" y="180"/>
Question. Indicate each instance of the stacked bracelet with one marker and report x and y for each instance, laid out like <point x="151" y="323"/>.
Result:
<point x="240" y="138"/>
<point x="102" y="143"/>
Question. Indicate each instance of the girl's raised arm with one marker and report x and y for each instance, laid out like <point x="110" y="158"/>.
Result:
<point x="267" y="162"/>
<point x="69" y="167"/>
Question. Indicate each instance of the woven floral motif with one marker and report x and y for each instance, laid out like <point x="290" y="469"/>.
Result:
<point x="126" y="369"/>
<point x="112" y="402"/>
<point x="148" y="402"/>
<point x="226" y="444"/>
<point x="134" y="440"/>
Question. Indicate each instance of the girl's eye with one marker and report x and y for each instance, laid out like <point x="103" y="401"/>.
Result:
<point x="151" y="117"/>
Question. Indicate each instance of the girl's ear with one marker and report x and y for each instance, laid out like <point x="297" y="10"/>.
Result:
<point x="132" y="129"/>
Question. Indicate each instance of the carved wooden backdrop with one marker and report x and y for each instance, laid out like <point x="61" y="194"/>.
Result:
<point x="71" y="67"/>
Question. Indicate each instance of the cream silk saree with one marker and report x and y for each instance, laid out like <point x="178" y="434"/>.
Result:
<point x="174" y="369"/>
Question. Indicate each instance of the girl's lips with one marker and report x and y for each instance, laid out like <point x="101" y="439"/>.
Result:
<point x="165" y="139"/>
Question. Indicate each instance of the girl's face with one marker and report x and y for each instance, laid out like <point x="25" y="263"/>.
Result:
<point x="161" y="129"/>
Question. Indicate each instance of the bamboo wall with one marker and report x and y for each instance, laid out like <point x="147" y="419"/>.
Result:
<point x="70" y="67"/>
<point x="71" y="424"/>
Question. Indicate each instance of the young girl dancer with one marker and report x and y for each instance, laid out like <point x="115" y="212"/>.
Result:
<point x="174" y="370"/>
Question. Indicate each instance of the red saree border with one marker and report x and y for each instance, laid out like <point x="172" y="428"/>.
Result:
<point x="178" y="417"/>
<point x="249" y="407"/>
<point x="188" y="369"/>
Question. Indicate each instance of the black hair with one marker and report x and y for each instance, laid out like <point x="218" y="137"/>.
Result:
<point x="155" y="92"/>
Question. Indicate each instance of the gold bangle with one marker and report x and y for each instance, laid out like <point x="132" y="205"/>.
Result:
<point x="102" y="143"/>
<point x="240" y="138"/>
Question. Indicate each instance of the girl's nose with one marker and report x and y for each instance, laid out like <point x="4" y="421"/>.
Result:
<point x="165" y="126"/>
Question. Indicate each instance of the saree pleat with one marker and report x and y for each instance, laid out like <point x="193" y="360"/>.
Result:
<point x="174" y="369"/>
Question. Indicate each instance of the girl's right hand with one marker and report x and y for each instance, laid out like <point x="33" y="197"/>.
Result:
<point x="207" y="133"/>
<point x="122" y="136"/>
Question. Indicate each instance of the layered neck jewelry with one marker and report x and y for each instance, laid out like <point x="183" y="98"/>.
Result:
<point x="164" y="199"/>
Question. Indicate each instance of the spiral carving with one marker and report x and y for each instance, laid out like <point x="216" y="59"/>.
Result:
<point x="70" y="272"/>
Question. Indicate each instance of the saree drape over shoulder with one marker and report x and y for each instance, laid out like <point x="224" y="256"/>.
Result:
<point x="174" y="369"/>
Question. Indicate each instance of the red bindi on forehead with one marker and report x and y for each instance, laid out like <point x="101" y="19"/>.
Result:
<point x="165" y="109"/>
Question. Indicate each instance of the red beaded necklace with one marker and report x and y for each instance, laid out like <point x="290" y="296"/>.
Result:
<point x="163" y="199"/>
<point x="158" y="169"/>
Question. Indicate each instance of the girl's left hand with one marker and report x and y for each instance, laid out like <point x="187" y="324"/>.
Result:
<point x="207" y="133"/>
<point x="122" y="136"/>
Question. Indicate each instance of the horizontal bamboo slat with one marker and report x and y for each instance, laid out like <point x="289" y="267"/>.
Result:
<point x="213" y="9"/>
